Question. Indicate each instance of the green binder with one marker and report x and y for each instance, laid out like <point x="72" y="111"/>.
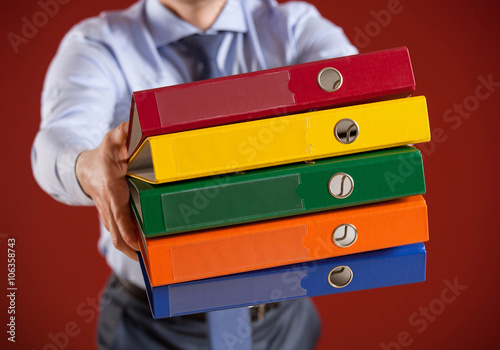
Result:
<point x="277" y="192"/>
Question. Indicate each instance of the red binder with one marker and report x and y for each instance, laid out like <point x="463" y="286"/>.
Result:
<point x="322" y="84"/>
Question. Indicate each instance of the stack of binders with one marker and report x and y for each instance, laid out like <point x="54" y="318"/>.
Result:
<point x="279" y="184"/>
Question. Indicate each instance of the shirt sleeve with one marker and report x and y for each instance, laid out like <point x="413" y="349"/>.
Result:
<point x="315" y="37"/>
<point x="79" y="104"/>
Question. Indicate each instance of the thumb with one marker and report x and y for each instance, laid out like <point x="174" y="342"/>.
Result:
<point x="116" y="141"/>
<point x="118" y="136"/>
<point x="122" y="131"/>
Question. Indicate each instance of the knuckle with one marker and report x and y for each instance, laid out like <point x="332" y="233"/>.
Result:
<point x="117" y="243"/>
<point x="129" y="239"/>
<point x="100" y="205"/>
<point x="118" y="215"/>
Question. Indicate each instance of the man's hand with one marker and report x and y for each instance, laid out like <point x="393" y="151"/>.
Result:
<point x="101" y="173"/>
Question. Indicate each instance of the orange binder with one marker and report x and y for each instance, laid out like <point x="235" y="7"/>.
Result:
<point x="216" y="252"/>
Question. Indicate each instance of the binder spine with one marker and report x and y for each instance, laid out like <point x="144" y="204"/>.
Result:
<point x="269" y="93"/>
<point x="304" y="137"/>
<point x="279" y="192"/>
<point x="188" y="257"/>
<point x="389" y="267"/>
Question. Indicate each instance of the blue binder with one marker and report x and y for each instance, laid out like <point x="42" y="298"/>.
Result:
<point x="381" y="268"/>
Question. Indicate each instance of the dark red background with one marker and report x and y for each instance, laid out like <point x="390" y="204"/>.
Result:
<point x="452" y="44"/>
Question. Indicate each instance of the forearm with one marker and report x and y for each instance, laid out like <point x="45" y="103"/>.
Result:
<point x="79" y="102"/>
<point x="53" y="159"/>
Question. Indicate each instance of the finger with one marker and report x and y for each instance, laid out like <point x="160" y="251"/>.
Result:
<point x="123" y="247"/>
<point x="116" y="147"/>
<point x="107" y="217"/>
<point x="125" y="227"/>
<point x="104" y="214"/>
<point x="123" y="127"/>
<point x="118" y="135"/>
<point x="120" y="210"/>
<point x="117" y="238"/>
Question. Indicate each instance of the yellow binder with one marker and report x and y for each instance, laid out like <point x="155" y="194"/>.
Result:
<point x="280" y="140"/>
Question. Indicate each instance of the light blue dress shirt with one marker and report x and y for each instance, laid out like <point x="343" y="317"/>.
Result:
<point x="102" y="60"/>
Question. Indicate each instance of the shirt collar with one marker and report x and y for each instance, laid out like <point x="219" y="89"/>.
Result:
<point x="166" y="27"/>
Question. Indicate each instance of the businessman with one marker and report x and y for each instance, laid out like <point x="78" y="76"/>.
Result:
<point x="79" y="154"/>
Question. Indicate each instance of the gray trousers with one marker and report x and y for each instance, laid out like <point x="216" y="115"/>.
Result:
<point x="125" y="323"/>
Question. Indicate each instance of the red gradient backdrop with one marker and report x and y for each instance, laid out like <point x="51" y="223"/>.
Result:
<point x="454" y="46"/>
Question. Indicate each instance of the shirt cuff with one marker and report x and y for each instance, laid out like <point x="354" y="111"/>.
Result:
<point x="66" y="171"/>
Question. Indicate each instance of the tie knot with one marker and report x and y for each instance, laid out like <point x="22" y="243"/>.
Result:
<point x="204" y="47"/>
